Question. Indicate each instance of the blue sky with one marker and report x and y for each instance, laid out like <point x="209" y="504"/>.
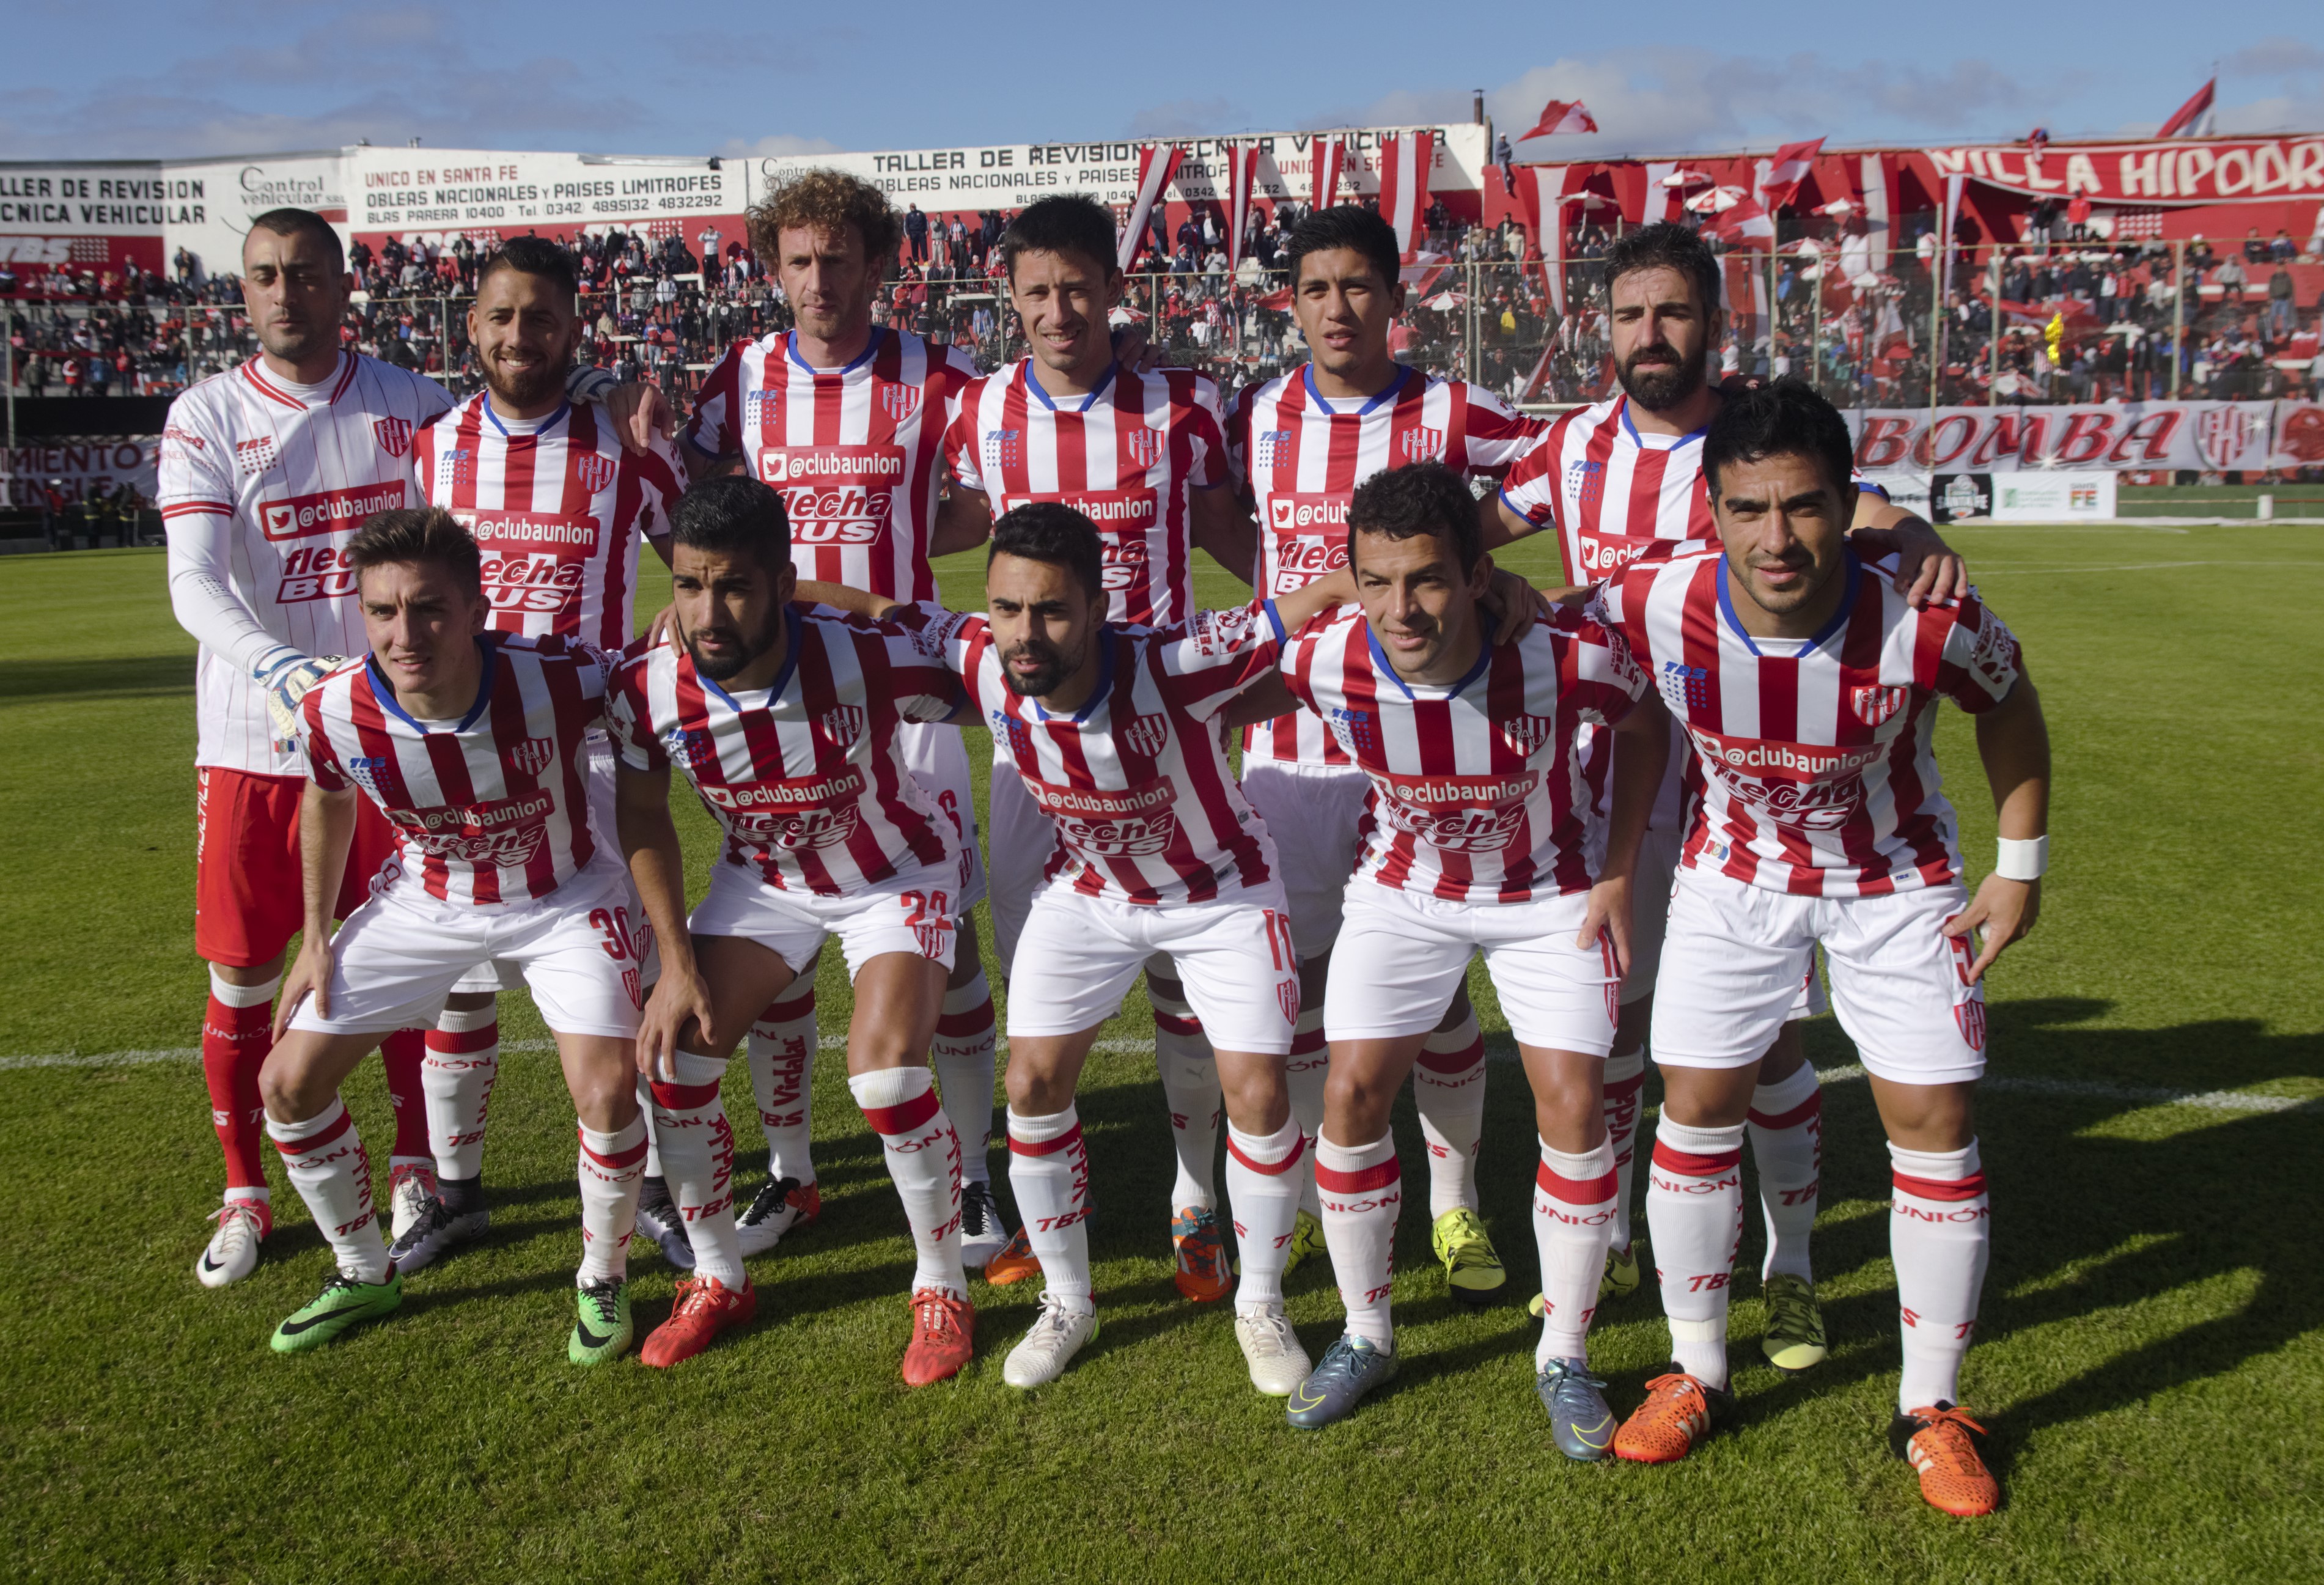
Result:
<point x="208" y="77"/>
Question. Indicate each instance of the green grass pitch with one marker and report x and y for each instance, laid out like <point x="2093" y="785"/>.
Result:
<point x="2149" y="1359"/>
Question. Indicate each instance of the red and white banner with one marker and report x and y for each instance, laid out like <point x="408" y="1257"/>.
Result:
<point x="1558" y="116"/>
<point x="1542" y="190"/>
<point x="2299" y="436"/>
<point x="1155" y="169"/>
<point x="79" y="468"/>
<point x="1404" y="163"/>
<point x="1330" y="158"/>
<point x="1786" y="171"/>
<point x="1745" y="225"/>
<point x="2193" y="171"/>
<point x="1240" y="176"/>
<point x="2208" y="436"/>
<point x="2185" y="119"/>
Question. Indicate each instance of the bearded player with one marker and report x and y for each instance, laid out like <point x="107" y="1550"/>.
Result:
<point x="1807" y="688"/>
<point x="1622" y="481"/>
<point x="557" y="507"/>
<point x="847" y="420"/>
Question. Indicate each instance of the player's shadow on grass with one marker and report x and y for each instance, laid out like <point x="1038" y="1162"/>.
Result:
<point x="135" y="677"/>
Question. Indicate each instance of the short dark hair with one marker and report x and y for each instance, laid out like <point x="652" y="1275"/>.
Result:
<point x="1062" y="223"/>
<point x="291" y="222"/>
<point x="1419" y="498"/>
<point x="532" y="255"/>
<point x="1350" y="227"/>
<point x="425" y="536"/>
<point x="1785" y="417"/>
<point x="734" y="515"/>
<point x="1053" y="532"/>
<point x="1666" y="246"/>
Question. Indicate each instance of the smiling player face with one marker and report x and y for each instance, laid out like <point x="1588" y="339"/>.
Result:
<point x="1783" y="525"/>
<point x="1064" y="300"/>
<point x="1421" y="606"/>
<point x="525" y="332"/>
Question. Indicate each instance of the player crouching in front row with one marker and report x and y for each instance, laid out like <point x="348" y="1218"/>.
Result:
<point x="1808" y="688"/>
<point x="475" y="746"/>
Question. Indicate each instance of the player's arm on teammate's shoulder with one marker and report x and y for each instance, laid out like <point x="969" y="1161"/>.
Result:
<point x="964" y="520"/>
<point x="326" y="830"/>
<point x="1929" y="572"/>
<point x="2013" y="740"/>
<point x="1264" y="700"/>
<point x="1222" y="524"/>
<point x="845" y="597"/>
<point x="638" y="413"/>
<point x="649" y="840"/>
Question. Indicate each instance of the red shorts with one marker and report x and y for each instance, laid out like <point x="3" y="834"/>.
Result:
<point x="248" y="899"/>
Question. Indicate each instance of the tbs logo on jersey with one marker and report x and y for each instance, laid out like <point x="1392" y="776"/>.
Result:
<point x="256" y="456"/>
<point x="1687" y="687"/>
<point x="1420" y="445"/>
<point x="1021" y="738"/>
<point x="532" y="756"/>
<point x="755" y="405"/>
<point x="1525" y="735"/>
<point x="1144" y="735"/>
<point x="1357" y="730"/>
<point x="1585" y="484"/>
<point x="394" y="435"/>
<point x="457" y="466"/>
<point x="691" y="746"/>
<point x="375" y="774"/>
<point x="1876" y="703"/>
<point x="1003" y="448"/>
<point x="594" y="471"/>
<point x="899" y="402"/>
<point x="842" y="725"/>
<point x="1271" y="446"/>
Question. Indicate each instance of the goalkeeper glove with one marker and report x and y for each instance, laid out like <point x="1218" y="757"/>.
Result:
<point x="286" y="676"/>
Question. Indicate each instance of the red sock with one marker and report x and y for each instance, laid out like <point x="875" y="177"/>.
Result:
<point x="405" y="1053"/>
<point x="234" y="1044"/>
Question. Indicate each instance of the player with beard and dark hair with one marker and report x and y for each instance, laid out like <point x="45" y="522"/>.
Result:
<point x="1621" y="481"/>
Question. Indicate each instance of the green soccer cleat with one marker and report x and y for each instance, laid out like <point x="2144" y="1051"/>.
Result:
<point x="1306" y="1240"/>
<point x="603" y="1331"/>
<point x="343" y="1301"/>
<point x="1471" y="1267"/>
<point x="1621" y="1278"/>
<point x="1794" y="1339"/>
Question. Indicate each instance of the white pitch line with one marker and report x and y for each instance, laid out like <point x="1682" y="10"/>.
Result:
<point x="1501" y="1047"/>
<point x="1996" y="568"/>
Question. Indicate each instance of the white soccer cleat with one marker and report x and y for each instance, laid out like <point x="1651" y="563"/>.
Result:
<point x="413" y="1192"/>
<point x="1058" y="1335"/>
<point x="1271" y="1349"/>
<point x="983" y="1232"/>
<point x="232" y="1252"/>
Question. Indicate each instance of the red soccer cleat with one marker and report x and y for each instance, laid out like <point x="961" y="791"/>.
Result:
<point x="944" y="1331"/>
<point x="1678" y="1414"/>
<point x="1015" y="1263"/>
<point x="705" y="1307"/>
<point x="1935" y="1441"/>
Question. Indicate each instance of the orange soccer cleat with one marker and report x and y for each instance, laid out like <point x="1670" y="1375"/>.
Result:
<point x="944" y="1329"/>
<point x="1201" y="1275"/>
<point x="1015" y="1263"/>
<point x="1679" y="1412"/>
<point x="1935" y="1441"/>
<point x="705" y="1307"/>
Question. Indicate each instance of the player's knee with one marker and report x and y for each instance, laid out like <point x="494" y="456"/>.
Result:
<point x="288" y="1087"/>
<point x="1357" y="1101"/>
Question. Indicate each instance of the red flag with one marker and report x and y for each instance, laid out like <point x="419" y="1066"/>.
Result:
<point x="1156" y="167"/>
<point x="1559" y="116"/>
<point x="2183" y="119"/>
<point x="1543" y="192"/>
<point x="1786" y="171"/>
<point x="1329" y="158"/>
<point x="1744" y="225"/>
<point x="1242" y="176"/>
<point x="1404" y="161"/>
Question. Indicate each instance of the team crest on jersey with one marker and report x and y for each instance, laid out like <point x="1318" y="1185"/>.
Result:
<point x="899" y="402"/>
<point x="595" y="471"/>
<point x="842" y="725"/>
<point x="1684" y="687"/>
<point x="1420" y="445"/>
<point x="1876" y="703"/>
<point x="1271" y="446"/>
<point x="690" y="746"/>
<point x="1145" y="447"/>
<point x="532" y="757"/>
<point x="1525" y="735"/>
<point x="394" y="435"/>
<point x="1585" y="482"/>
<point x="1003" y="448"/>
<point x="1144" y="735"/>
<point x="456" y="466"/>
<point x="1357" y="731"/>
<point x="254" y="456"/>
<point x="375" y="774"/>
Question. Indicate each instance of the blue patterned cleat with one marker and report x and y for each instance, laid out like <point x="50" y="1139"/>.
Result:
<point x="1580" y="1423"/>
<point x="1349" y="1368"/>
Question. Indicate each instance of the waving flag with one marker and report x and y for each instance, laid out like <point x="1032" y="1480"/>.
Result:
<point x="1329" y="158"/>
<point x="1744" y="225"/>
<point x="1542" y="190"/>
<point x="1785" y="171"/>
<point x="1404" y="161"/>
<point x="1558" y="116"/>
<point x="1242" y="175"/>
<point x="1156" y="167"/>
<point x="2185" y="121"/>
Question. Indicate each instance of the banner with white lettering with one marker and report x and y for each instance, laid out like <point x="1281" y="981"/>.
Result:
<point x="84" y="215"/>
<point x="2180" y="170"/>
<point x="80" y="467"/>
<point x="438" y="195"/>
<point x="213" y="202"/>
<point x="2209" y="435"/>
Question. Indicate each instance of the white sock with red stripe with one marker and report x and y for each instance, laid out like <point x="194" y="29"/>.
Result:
<point x="1049" y="1174"/>
<point x="1573" y="1223"/>
<point x="1694" y="1209"/>
<point x="781" y="1053"/>
<point x="1263" y="1198"/>
<point x="329" y="1166"/>
<point x="612" y="1166"/>
<point x="1362" y="1189"/>
<point x="1939" y="1234"/>
<point x="1304" y="1073"/>
<point x="1448" y="1090"/>
<point x="923" y="1153"/>
<point x="1786" y="1125"/>
<point x="457" y="1075"/>
<point x="1625" y="1077"/>
<point x="961" y="1054"/>
<point x="1190" y="1089"/>
<point x="237" y="1032"/>
<point x="696" y="1147"/>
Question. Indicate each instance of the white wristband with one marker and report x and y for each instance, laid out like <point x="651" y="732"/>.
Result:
<point x="2023" y="861"/>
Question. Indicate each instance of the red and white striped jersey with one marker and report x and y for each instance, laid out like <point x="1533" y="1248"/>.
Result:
<point x="853" y="450"/>
<point x="1302" y="458"/>
<point x="1477" y="793"/>
<point x="1813" y="770"/>
<point x="1611" y="494"/>
<point x="556" y="506"/>
<point x="1136" y="783"/>
<point x="262" y="485"/>
<point x="494" y="810"/>
<point x="803" y="775"/>
<point x="1126" y="455"/>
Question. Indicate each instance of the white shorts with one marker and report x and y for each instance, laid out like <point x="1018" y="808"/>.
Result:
<point x="1017" y="848"/>
<point x="1312" y="812"/>
<point x="911" y="913"/>
<point x="938" y="761"/>
<point x="1401" y="957"/>
<point x="1650" y="893"/>
<point x="1738" y="953"/>
<point x="400" y="955"/>
<point x="1079" y="955"/>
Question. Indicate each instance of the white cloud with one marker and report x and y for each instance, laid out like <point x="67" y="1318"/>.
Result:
<point x="776" y="145"/>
